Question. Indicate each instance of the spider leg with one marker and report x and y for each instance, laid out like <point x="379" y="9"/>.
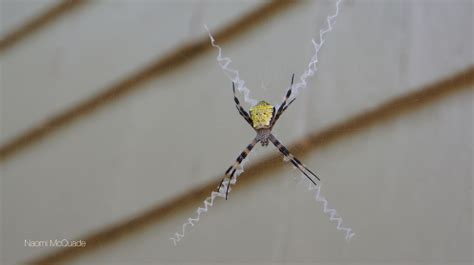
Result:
<point x="240" y="109"/>
<point x="288" y="105"/>
<point x="283" y="105"/>
<point x="300" y="166"/>
<point x="231" y="170"/>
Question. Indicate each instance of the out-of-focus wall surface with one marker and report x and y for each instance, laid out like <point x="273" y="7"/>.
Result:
<point x="402" y="183"/>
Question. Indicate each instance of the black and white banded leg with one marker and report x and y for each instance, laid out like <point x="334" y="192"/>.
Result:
<point x="283" y="105"/>
<point x="232" y="169"/>
<point x="240" y="109"/>
<point x="297" y="163"/>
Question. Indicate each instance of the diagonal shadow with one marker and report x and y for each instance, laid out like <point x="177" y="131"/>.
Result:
<point x="383" y="113"/>
<point x="171" y="61"/>
<point x="35" y="24"/>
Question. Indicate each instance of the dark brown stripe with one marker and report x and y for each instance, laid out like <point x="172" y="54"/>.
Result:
<point x="171" y="61"/>
<point x="33" y="25"/>
<point x="382" y="114"/>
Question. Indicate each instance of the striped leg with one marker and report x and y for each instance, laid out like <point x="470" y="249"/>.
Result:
<point x="241" y="110"/>
<point x="293" y="159"/>
<point x="231" y="170"/>
<point x="283" y="105"/>
<point x="287" y="105"/>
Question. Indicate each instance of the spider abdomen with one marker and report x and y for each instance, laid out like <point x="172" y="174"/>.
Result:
<point x="261" y="115"/>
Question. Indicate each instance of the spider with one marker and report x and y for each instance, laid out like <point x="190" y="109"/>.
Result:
<point x="262" y="118"/>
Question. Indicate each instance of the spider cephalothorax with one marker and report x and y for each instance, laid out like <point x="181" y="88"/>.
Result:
<point x="262" y="117"/>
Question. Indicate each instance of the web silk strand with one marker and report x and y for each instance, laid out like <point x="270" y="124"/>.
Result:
<point x="208" y="202"/>
<point x="232" y="74"/>
<point x="332" y="213"/>
<point x="312" y="65"/>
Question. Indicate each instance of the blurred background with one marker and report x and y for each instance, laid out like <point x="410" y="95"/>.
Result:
<point x="116" y="122"/>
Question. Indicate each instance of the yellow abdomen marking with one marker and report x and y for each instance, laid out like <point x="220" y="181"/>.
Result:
<point x="261" y="115"/>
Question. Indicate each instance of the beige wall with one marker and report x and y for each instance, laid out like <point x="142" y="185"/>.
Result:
<point x="404" y="185"/>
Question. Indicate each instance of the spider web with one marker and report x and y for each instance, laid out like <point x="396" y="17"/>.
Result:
<point x="312" y="65"/>
<point x="209" y="202"/>
<point x="331" y="212"/>
<point x="233" y="75"/>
